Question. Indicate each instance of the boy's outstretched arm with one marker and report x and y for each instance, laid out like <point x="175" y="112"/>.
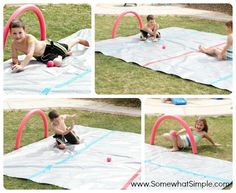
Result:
<point x="30" y="53"/>
<point x="14" y="55"/>
<point x="67" y="116"/>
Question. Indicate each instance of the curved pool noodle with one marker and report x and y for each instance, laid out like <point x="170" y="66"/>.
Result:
<point x="120" y="17"/>
<point x="25" y="120"/>
<point x="181" y="121"/>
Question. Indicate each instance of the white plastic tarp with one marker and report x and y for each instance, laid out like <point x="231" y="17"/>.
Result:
<point x="180" y="56"/>
<point x="180" y="170"/>
<point x="73" y="77"/>
<point x="82" y="166"/>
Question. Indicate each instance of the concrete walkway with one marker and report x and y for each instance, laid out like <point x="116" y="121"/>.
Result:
<point x="88" y="105"/>
<point x="151" y="106"/>
<point x="166" y="10"/>
<point x="194" y="107"/>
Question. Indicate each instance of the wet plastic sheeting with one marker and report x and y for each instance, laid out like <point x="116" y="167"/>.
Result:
<point x="81" y="166"/>
<point x="181" y="168"/>
<point x="73" y="77"/>
<point x="180" y="56"/>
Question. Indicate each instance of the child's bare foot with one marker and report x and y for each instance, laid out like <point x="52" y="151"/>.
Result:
<point x="174" y="149"/>
<point x="84" y="42"/>
<point x="201" y="48"/>
<point x="69" y="53"/>
<point x="143" y="39"/>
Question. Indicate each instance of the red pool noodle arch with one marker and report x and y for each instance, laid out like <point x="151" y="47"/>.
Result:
<point x="19" y="12"/>
<point x="182" y="122"/>
<point x="119" y="18"/>
<point x="25" y="120"/>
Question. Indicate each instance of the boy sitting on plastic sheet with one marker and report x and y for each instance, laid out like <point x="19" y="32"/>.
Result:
<point x="63" y="133"/>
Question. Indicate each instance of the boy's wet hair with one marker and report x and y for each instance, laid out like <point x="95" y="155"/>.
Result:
<point x="150" y="17"/>
<point x="200" y="119"/>
<point x="17" y="23"/>
<point x="53" y="115"/>
<point x="229" y="24"/>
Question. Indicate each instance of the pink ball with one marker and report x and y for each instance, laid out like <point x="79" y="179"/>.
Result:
<point x="163" y="47"/>
<point x="108" y="159"/>
<point x="51" y="63"/>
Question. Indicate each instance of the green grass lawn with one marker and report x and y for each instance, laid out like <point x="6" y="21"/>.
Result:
<point x="220" y="129"/>
<point x="34" y="132"/>
<point x="61" y="21"/>
<point x="114" y="76"/>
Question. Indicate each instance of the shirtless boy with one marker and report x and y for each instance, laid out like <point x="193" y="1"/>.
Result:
<point x="150" y="29"/>
<point x="63" y="133"/>
<point x="43" y="51"/>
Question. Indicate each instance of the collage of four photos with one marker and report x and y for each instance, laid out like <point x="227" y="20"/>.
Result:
<point x="122" y="96"/>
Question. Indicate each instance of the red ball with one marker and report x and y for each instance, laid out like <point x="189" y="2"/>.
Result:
<point x="108" y="159"/>
<point x="51" y="63"/>
<point x="163" y="46"/>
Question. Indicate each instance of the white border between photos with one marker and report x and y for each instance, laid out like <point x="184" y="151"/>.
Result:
<point x="94" y="95"/>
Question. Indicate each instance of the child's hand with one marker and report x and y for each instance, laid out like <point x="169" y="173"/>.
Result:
<point x="74" y="116"/>
<point x="217" y="144"/>
<point x="17" y="68"/>
<point x="15" y="63"/>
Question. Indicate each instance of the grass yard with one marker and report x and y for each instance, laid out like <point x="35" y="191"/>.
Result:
<point x="114" y="76"/>
<point x="61" y="21"/>
<point x="220" y="129"/>
<point x="34" y="132"/>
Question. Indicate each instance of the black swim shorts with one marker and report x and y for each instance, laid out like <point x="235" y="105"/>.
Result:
<point x="52" y="51"/>
<point x="70" y="138"/>
<point x="146" y="35"/>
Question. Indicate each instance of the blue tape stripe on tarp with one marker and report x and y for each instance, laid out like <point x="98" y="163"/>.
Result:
<point x="46" y="90"/>
<point x="50" y="166"/>
<point x="188" y="171"/>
